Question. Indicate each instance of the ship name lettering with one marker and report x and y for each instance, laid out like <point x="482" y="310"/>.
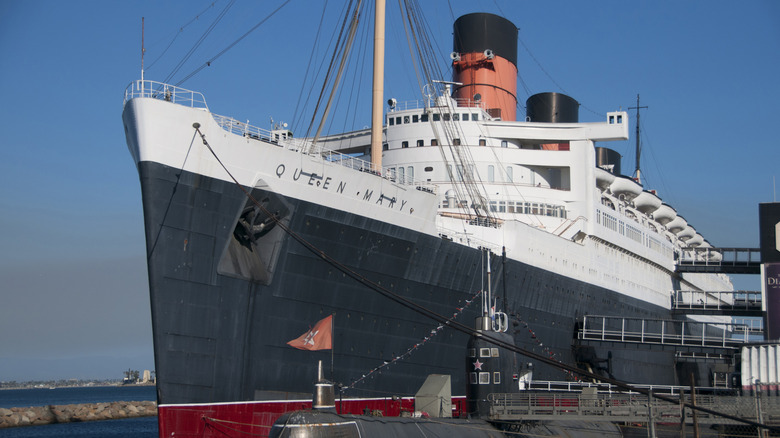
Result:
<point x="280" y="170"/>
<point x="342" y="186"/>
<point x="402" y="204"/>
<point x="367" y="195"/>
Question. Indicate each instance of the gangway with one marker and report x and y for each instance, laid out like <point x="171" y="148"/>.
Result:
<point x="731" y="303"/>
<point x="720" y="260"/>
<point x="675" y="335"/>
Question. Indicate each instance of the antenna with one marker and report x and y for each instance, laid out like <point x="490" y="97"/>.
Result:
<point x="143" y="49"/>
<point x="637" y="174"/>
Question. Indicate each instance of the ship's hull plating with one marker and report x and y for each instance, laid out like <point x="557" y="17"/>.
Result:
<point x="221" y="319"/>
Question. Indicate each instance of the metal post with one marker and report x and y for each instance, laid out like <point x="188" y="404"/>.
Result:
<point x="650" y="420"/>
<point x="693" y="402"/>
<point x="682" y="413"/>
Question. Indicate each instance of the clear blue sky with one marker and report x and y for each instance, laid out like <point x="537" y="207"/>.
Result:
<point x="73" y="291"/>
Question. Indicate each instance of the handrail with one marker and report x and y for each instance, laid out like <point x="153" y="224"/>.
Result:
<point x="281" y="138"/>
<point x="162" y="91"/>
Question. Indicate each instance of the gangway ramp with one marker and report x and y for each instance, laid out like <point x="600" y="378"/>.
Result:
<point x="720" y="260"/>
<point x="673" y="335"/>
<point x="728" y="303"/>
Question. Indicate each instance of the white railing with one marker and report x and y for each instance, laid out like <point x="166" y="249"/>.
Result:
<point x="281" y="137"/>
<point x="169" y="93"/>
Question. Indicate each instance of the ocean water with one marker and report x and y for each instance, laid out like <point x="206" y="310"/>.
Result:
<point x="145" y="427"/>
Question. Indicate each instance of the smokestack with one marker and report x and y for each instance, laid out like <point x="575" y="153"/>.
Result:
<point x="485" y="62"/>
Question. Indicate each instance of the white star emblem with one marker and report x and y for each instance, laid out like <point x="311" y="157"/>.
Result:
<point x="309" y="339"/>
<point x="478" y="365"/>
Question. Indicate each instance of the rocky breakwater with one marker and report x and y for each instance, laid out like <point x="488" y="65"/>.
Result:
<point x="37" y="415"/>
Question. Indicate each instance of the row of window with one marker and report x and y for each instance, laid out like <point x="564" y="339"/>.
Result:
<point x="455" y="142"/>
<point x="534" y="208"/>
<point x="483" y="378"/>
<point x="422" y="118"/>
<point x="612" y="223"/>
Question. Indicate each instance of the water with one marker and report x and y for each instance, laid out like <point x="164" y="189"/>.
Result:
<point x="145" y="427"/>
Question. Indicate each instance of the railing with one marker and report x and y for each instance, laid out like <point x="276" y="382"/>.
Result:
<point x="720" y="256"/>
<point x="166" y="92"/>
<point x="628" y="407"/>
<point x="281" y="137"/>
<point x="663" y="332"/>
<point x="717" y="300"/>
<point x="606" y="388"/>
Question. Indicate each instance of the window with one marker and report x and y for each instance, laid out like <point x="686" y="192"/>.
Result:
<point x="475" y="117"/>
<point x="501" y="209"/>
<point x="406" y="119"/>
<point x="436" y="117"/>
<point x="482" y="142"/>
<point x="494" y="352"/>
<point x="398" y="120"/>
<point x="428" y="169"/>
<point x="404" y="144"/>
<point x="484" y="378"/>
<point x="491" y="173"/>
<point x="424" y="118"/>
<point x="496" y="377"/>
<point x="459" y="175"/>
<point x="472" y="352"/>
<point x="456" y="141"/>
<point x="465" y="117"/>
<point x="446" y="117"/>
<point x="434" y="142"/>
<point x="511" y="207"/>
<point x="410" y="174"/>
<point x="509" y="174"/>
<point x="401" y="177"/>
<point x="504" y="143"/>
<point x="493" y="207"/>
<point x="473" y="378"/>
<point x="456" y="117"/>
<point x="415" y="118"/>
<point x="484" y="352"/>
<point x="391" y="121"/>
<point x="420" y="143"/>
<point x="385" y="147"/>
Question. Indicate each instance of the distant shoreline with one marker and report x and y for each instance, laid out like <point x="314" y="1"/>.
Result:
<point x="117" y="384"/>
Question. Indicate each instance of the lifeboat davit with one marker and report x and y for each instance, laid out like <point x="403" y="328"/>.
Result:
<point x="678" y="224"/>
<point x="713" y="255"/>
<point x="604" y="178"/>
<point x="647" y="202"/>
<point x="625" y="186"/>
<point x="664" y="214"/>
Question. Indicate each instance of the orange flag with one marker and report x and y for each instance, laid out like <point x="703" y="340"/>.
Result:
<point x="320" y="337"/>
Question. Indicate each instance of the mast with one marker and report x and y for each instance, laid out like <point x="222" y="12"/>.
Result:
<point x="378" y="87"/>
<point x="637" y="174"/>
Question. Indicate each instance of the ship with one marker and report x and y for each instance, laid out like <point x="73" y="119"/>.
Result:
<point x="253" y="235"/>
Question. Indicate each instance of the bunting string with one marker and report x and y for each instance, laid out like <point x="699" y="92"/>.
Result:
<point x="547" y="350"/>
<point x="414" y="347"/>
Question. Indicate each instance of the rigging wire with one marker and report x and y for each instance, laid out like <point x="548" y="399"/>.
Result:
<point x="180" y="31"/>
<point x="197" y="44"/>
<point x="231" y="45"/>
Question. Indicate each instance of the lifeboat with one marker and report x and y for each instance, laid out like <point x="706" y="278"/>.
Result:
<point x="625" y="186"/>
<point x="647" y="202"/>
<point x="678" y="224"/>
<point x="686" y="233"/>
<point x="695" y="241"/>
<point x="664" y="214"/>
<point x="603" y="178"/>
<point x="712" y="255"/>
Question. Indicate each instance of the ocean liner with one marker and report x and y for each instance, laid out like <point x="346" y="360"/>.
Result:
<point x="251" y="233"/>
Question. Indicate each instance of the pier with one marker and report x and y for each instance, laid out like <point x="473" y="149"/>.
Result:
<point x="627" y="408"/>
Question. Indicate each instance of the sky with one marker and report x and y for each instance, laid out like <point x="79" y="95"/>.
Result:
<point x="73" y="287"/>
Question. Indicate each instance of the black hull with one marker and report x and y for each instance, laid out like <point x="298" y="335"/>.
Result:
<point x="224" y="308"/>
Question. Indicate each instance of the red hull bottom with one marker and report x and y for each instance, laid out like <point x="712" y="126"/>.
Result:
<point x="256" y="418"/>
